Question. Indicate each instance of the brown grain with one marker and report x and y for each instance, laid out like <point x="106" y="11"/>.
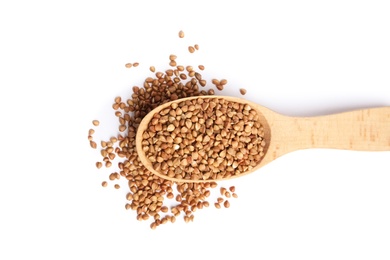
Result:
<point x="219" y="87"/>
<point x="99" y="165"/>
<point x="153" y="225"/>
<point x="242" y="91"/>
<point x="93" y="144"/>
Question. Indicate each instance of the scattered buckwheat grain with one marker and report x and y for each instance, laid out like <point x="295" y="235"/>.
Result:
<point x="99" y="165"/>
<point x="149" y="196"/>
<point x="93" y="144"/>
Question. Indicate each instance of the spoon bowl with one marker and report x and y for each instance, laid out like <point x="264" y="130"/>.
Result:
<point x="361" y="130"/>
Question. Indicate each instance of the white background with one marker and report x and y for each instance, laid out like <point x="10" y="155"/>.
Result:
<point x="62" y="64"/>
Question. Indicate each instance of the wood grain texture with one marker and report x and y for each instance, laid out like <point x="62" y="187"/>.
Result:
<point x="359" y="130"/>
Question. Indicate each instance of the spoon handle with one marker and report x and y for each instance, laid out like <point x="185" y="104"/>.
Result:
<point x="363" y="130"/>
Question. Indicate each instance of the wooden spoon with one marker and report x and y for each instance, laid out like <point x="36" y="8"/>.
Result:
<point x="362" y="130"/>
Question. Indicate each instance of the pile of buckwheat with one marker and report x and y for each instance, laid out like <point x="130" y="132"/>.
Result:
<point x="149" y="195"/>
<point x="204" y="139"/>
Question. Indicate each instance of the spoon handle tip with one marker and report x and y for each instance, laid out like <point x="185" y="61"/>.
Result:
<point x="363" y="130"/>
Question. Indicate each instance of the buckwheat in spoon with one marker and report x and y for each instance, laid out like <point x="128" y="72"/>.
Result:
<point x="208" y="138"/>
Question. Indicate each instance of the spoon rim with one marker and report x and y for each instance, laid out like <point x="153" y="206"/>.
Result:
<point x="146" y="120"/>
